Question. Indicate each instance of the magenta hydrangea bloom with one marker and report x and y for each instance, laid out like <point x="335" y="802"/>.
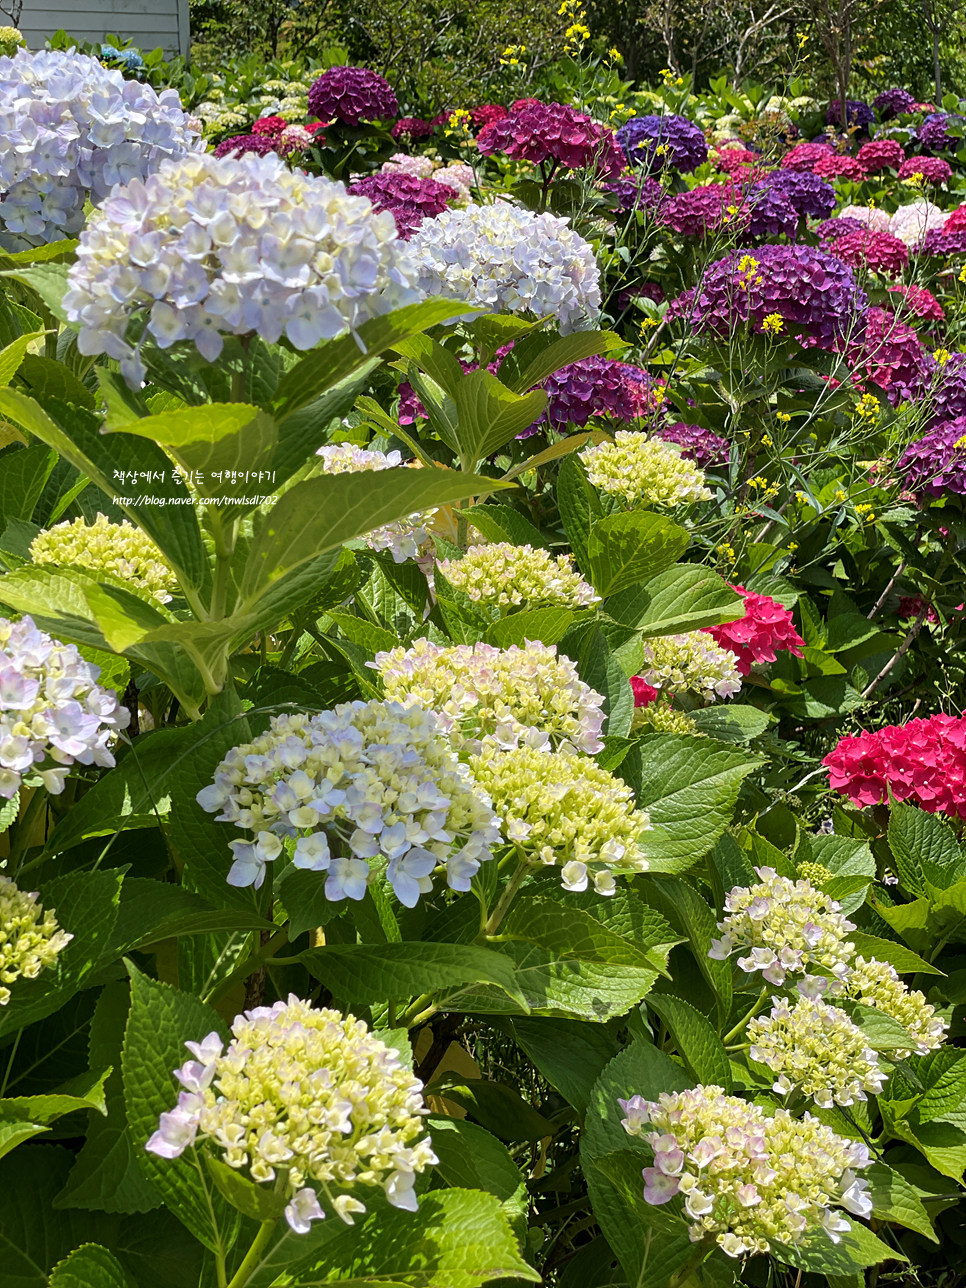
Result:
<point x="663" y="143"/>
<point x="486" y="114"/>
<point x="260" y="144"/>
<point x="891" y="355"/>
<point x="932" y="133"/>
<point x="700" y="445"/>
<point x="809" y="289"/>
<point x="836" y="166"/>
<point x="918" y="302"/>
<point x="636" y="192"/>
<point x="735" y="160"/>
<point x="879" y="252"/>
<point x="803" y="156"/>
<point x="540" y="132"/>
<point x="351" y="95"/>
<point x="808" y="193"/>
<point x="408" y="198"/>
<point x="936" y="463"/>
<point x="702" y="210"/>
<point x="880" y="154"/>
<point x="893" y="102"/>
<point x="933" y="169"/>
<point x="411" y="128"/>
<point x="598" y="387"/>
<point x="858" y="113"/>
<point x="766" y="627"/>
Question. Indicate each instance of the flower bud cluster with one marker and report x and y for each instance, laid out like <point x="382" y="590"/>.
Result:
<point x="815" y="1047"/>
<point x="405" y="538"/>
<point x="877" y="984"/>
<point x="504" y="696"/>
<point x="52" y="711"/>
<point x="509" y="576"/>
<point x="119" y="548"/>
<point x="565" y="811"/>
<point x="377" y="779"/>
<point x="30" y="937"/>
<point x="304" y="1095"/>
<point x="71" y="128"/>
<point x="690" y="663"/>
<point x="644" y="471"/>
<point x="748" y="1180"/>
<point x="789" y="926"/>
<point x="208" y="247"/>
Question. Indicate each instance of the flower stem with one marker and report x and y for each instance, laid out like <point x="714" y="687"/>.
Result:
<point x="698" y="1254"/>
<point x="509" y="894"/>
<point x="23" y="830"/>
<point x="254" y="1253"/>
<point x="742" y="1023"/>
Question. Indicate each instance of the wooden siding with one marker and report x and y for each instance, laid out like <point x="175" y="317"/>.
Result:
<point x="148" y="23"/>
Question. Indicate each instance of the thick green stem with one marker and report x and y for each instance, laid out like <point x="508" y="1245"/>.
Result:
<point x="250" y="964"/>
<point x="742" y="1023"/>
<point x="23" y="829"/>
<point x="698" y="1254"/>
<point x="225" y="539"/>
<point x="254" y="1254"/>
<point x="524" y="868"/>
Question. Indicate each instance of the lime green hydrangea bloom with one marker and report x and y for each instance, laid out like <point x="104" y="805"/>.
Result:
<point x="508" y="576"/>
<point x="30" y="938"/>
<point x="644" y="471"/>
<point x="118" y="548"/>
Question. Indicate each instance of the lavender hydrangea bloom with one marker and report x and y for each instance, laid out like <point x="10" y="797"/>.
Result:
<point x="808" y="193"/>
<point x="597" y="387"/>
<point x="636" y="192"/>
<point x="932" y="133"/>
<point x="700" y="445"/>
<point x="70" y="129"/>
<point x="893" y="102"/>
<point x="859" y="113"/>
<point x="939" y="242"/>
<point x="663" y="142"/>
<point x="351" y="95"/>
<point x="830" y="229"/>
<point x="936" y="463"/>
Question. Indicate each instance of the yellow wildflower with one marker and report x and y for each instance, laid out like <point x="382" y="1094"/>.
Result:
<point x="868" y="407"/>
<point x="941" y="356"/>
<point x="774" y="323"/>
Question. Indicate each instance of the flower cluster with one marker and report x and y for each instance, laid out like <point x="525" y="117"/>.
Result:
<point x="697" y="444"/>
<point x="405" y="538"/>
<point x="878" y="985"/>
<point x="644" y="471"/>
<point x="890" y="354"/>
<point x="507" y="576"/>
<point x="789" y="926"/>
<point x="119" y="548"/>
<point x="922" y="761"/>
<point x="193" y="249"/>
<point x="553" y="132"/>
<point x="869" y="216"/>
<point x="936" y="463"/>
<point x="735" y="160"/>
<point x="636" y="192"/>
<point x="351" y="95"/>
<point x="408" y="199"/>
<point x="564" y="810"/>
<point x="411" y="128"/>
<point x="949" y="392"/>
<point x="830" y="230"/>
<point x="912" y="222"/>
<point x="803" y="156"/>
<point x="272" y="134"/>
<point x="747" y="1179"/>
<point x="51" y="709"/>
<point x="11" y="39"/>
<point x="894" y="102"/>
<point x="807" y="193"/>
<point x="766" y="626"/>
<point x="378" y="779"/>
<point x="856" y="112"/>
<point x="917" y="301"/>
<point x="486" y="114"/>
<point x="815" y="1047"/>
<point x="933" y="135"/>
<point x="663" y="143"/>
<point x="880" y="154"/>
<point x="598" y="387"/>
<point x="71" y="128"/>
<point x="878" y="252"/>
<point x="310" y="1093"/>
<point x="701" y="211"/>
<point x="833" y="165"/>
<point x="690" y="663"/>
<point x="507" y="696"/>
<point x="930" y="169"/>
<point x="505" y="259"/>
<point x="30" y="938"/>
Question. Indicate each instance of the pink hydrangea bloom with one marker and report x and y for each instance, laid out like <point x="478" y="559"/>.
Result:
<point x="803" y="156"/>
<point x="923" y="762"/>
<point x="932" y="169"/>
<point x="891" y="355"/>
<point x="269" y="125"/>
<point x="486" y="114"/>
<point x="541" y="132"/>
<point x="735" y="161"/>
<point x="880" y="252"/>
<point x="880" y="154"/>
<point x="916" y="300"/>
<point x="766" y="626"/>
<point x="408" y="198"/>
<point x="644" y="694"/>
<point x="835" y="166"/>
<point x="411" y="128"/>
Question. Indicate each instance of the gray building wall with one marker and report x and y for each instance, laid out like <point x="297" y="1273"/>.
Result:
<point x="148" y="23"/>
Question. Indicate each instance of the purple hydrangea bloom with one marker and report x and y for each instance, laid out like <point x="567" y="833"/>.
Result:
<point x="808" y="193"/>
<point x="859" y="113"/>
<point x="682" y="144"/>
<point x="350" y="95"/>
<point x="597" y="387"/>
<point x="893" y="102"/>
<point x="932" y="133"/>
<point x="949" y="394"/>
<point x="809" y="289"/>
<point x="936" y="463"/>
<point x="938" y="242"/>
<point x="636" y="192"/>
<point x="891" y="355"/>
<point x="700" y="445"/>
<point x="408" y="198"/>
<point x="771" y="211"/>
<point x="830" y="229"/>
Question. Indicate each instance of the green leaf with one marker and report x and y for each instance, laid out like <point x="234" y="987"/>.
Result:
<point x="303" y="897"/>
<point x="854" y="1252"/>
<point x="695" y="919"/>
<point x="943" y="1074"/>
<point x="89" y="1266"/>
<point x="48" y="280"/>
<point x="561" y="352"/>
<point x="882" y="1032"/>
<point x="731" y="721"/>
<point x="942" y="1142"/>
<point x="570" y="1056"/>
<point x="895" y="1199"/>
<point x="917" y="838"/>
<point x="689" y="789"/>
<point x="698" y="1044"/>
<point x="490" y="415"/>
<point x="259" y="1202"/>
<point x="902" y="958"/>
<point x="624" y="549"/>
<point x="12" y="355"/>
<point x="472" y="1158"/>
<point x="46" y="379"/>
<point x="23" y="476"/>
<point x="503" y="523"/>
<point x="160" y="1021"/>
<point x="685" y="597"/>
<point x="152" y="910"/>
<point x="548" y="625"/>
<point x="579" y="507"/>
<point x="24" y="1116"/>
<point x="368" y="973"/>
<point x="494" y="1105"/>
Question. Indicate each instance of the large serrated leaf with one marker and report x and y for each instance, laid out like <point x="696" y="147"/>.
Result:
<point x="698" y="1043"/>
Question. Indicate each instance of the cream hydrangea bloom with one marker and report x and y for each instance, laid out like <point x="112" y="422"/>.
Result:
<point x="404" y="539"/>
<point x="506" y="696"/>
<point x="910" y="223"/>
<point x="644" y="471"/>
<point x="508" y="576"/>
<point x="30" y="938"/>
<point x="877" y="984"/>
<point x="690" y="663"/>
<point x="308" y="1093"/>
<point x="119" y="548"/>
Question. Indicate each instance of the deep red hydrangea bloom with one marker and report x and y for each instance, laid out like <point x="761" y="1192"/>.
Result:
<point x="700" y="445"/>
<point x="830" y="230"/>
<point x="835" y="166"/>
<point x="554" y="132"/>
<point x="409" y="199"/>
<point x="892" y="102"/>
<point x="936" y="463"/>
<point x="923" y="762"/>
<point x="735" y="160"/>
<point x="803" y="156"/>
<point x="270" y="125"/>
<point x="917" y="301"/>
<point x="351" y="95"/>
<point x="891" y="355"/>
<point x="412" y="128"/>
<point x="880" y="154"/>
<point x="933" y="169"/>
<point x="239" y="144"/>
<point x="880" y="252"/>
<point x="912" y="606"/>
<point x="486" y="114"/>
<point x="766" y="626"/>
<point x="644" y="694"/>
<point x="598" y="387"/>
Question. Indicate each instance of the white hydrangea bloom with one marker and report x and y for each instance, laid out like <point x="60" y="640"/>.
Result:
<point x="311" y="1094"/>
<point x="30" y="938"/>
<point x="874" y="218"/>
<point x="120" y="548"/>
<point x="644" y="471"/>
<point x="816" y="1047"/>
<point x="458" y="175"/>
<point x="877" y="984"/>
<point x="509" y="576"/>
<point x="911" y="223"/>
<point x="690" y="663"/>
<point x="788" y="925"/>
<point x="505" y="696"/>
<point x="208" y="247"/>
<point x="369" y="781"/>
<point x="71" y="128"/>
<point x="422" y="167"/>
<point x="52" y="711"/>
<point x="747" y="1179"/>
<point x="404" y="539"/>
<point x="505" y="259"/>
